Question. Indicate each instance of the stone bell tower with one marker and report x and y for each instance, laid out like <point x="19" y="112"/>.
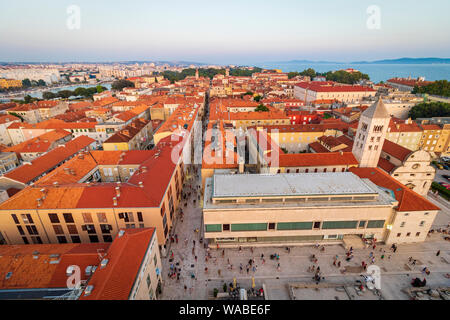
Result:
<point x="369" y="138"/>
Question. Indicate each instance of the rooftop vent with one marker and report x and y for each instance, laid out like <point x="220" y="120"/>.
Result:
<point x="141" y="184"/>
<point x="115" y="201"/>
<point x="8" y="275"/>
<point x="121" y="233"/>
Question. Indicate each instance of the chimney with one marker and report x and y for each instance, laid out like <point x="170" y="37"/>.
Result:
<point x="118" y="192"/>
<point x="39" y="202"/>
<point x="115" y="201"/>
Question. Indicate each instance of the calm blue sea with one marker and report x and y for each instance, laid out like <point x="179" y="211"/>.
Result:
<point x="377" y="72"/>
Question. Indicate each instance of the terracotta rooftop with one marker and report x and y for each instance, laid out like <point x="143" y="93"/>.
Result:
<point x="158" y="166"/>
<point x="396" y="150"/>
<point x="125" y="258"/>
<point x="27" y="173"/>
<point x="317" y="159"/>
<point x="408" y="199"/>
<point x="329" y="86"/>
<point x="39" y="144"/>
<point x="36" y="266"/>
<point x="8" y="118"/>
<point x="129" y="132"/>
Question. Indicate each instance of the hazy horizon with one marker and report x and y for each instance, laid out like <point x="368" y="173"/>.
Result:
<point x="235" y="32"/>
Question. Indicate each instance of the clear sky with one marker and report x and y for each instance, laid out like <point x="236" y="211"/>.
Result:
<point x="222" y="32"/>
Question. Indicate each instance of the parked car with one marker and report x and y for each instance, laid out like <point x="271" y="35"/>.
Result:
<point x="446" y="167"/>
<point x="446" y="177"/>
<point x="440" y="166"/>
<point x="445" y="185"/>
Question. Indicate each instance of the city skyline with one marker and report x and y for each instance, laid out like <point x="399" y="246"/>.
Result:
<point x="235" y="33"/>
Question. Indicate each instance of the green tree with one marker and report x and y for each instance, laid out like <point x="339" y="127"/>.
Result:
<point x="261" y="108"/>
<point x="310" y="72"/>
<point x="47" y="95"/>
<point x="81" y="92"/>
<point x="65" y="94"/>
<point x="28" y="99"/>
<point x="257" y="98"/>
<point x="99" y="89"/>
<point x="342" y="76"/>
<point x="26" y="83"/>
<point x="41" y="83"/>
<point x="430" y="109"/>
<point x="17" y="115"/>
<point x="439" y="88"/>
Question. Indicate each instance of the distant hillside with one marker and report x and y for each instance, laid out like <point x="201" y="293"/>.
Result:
<point x="385" y="61"/>
<point x="407" y="61"/>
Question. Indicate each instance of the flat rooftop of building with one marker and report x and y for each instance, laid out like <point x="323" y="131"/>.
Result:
<point x="289" y="184"/>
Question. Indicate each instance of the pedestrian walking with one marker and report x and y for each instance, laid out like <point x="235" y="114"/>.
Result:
<point x="195" y="258"/>
<point x="438" y="253"/>
<point x="278" y="267"/>
<point x="339" y="264"/>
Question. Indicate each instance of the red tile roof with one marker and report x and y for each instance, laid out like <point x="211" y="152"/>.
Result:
<point x="8" y="118"/>
<point x="27" y="173"/>
<point x="385" y="165"/>
<point x="125" y="257"/>
<point x="29" y="272"/>
<point x="39" y="144"/>
<point x="396" y="150"/>
<point x="317" y="159"/>
<point x="330" y="86"/>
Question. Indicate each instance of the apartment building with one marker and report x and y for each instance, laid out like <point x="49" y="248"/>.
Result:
<point x="94" y="195"/>
<point x="29" y="173"/>
<point x="10" y="83"/>
<point x="431" y="134"/>
<point x="5" y="122"/>
<point x="136" y="136"/>
<point x="329" y="90"/>
<point x="405" y="133"/>
<point x="33" y="148"/>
